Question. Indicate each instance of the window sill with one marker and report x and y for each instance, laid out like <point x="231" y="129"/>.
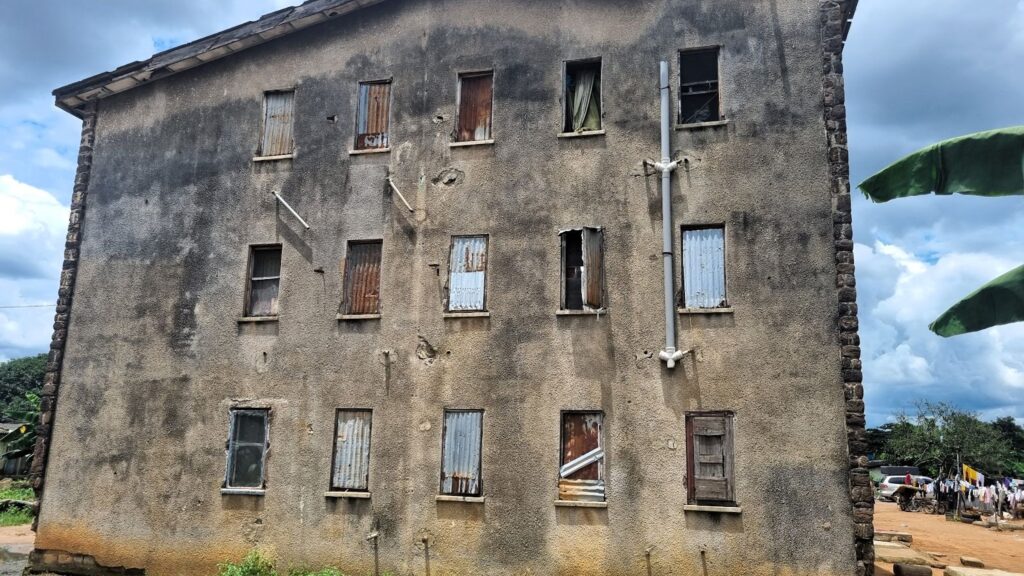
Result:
<point x="702" y="125"/>
<point x="728" y="310"/>
<point x="600" y="312"/>
<point x="256" y="319"/>
<point x="272" y="158"/>
<point x="464" y="499"/>
<point x="369" y="151"/>
<point x="343" y="494"/>
<point x="471" y="143"/>
<point x="356" y="317"/>
<point x="243" y="492"/>
<point x="713" y="509"/>
<point x="583" y="134"/>
<point x="477" y="314"/>
<point x="579" y="504"/>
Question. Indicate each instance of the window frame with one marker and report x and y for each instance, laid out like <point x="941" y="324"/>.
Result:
<point x="728" y="465"/>
<point x="391" y="99"/>
<point x="566" y="126"/>
<point x="334" y="452"/>
<point x="458" y="106"/>
<point x="232" y="444"/>
<point x="717" y="48"/>
<point x="602" y="461"/>
<point x="260" y="152"/>
<point x="563" y="278"/>
<point x="487" y="270"/>
<point x="346" y="285"/>
<point x="480" y="459"/>
<point x="253" y="248"/>
<point x="683" y="229"/>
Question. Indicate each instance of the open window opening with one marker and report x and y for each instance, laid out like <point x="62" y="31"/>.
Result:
<point x="351" y="470"/>
<point x="362" y="278"/>
<point x="582" y="96"/>
<point x="581" y="475"/>
<point x="264" y="281"/>
<point x="699" y="99"/>
<point x="247" y="448"/>
<point x="583" y="269"/>
<point x="373" y="115"/>
<point x="476" y="93"/>
<point x="461" y="453"/>
<point x="709" y="449"/>
<point x="704" y="267"/>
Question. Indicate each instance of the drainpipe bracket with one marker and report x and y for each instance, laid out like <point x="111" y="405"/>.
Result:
<point x="670" y="356"/>
<point x="666" y="166"/>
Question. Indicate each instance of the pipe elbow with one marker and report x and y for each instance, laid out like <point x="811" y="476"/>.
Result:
<point x="670" y="356"/>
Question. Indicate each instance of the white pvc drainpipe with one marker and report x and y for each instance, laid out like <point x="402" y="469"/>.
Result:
<point x="669" y="355"/>
<point x="292" y="210"/>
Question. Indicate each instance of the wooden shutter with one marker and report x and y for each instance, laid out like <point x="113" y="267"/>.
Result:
<point x="362" y="278"/>
<point x="593" y="268"/>
<point x="277" y="123"/>
<point x="475" y="97"/>
<point x="709" y="457"/>
<point x="373" y="120"/>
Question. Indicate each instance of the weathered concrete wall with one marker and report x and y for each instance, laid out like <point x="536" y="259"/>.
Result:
<point x="155" y="358"/>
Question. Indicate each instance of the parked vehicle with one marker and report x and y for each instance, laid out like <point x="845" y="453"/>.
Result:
<point x="890" y="484"/>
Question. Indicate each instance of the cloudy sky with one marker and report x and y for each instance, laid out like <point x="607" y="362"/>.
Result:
<point x="917" y="71"/>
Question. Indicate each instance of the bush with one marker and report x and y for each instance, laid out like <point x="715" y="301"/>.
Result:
<point x="254" y="564"/>
<point x="15" y="517"/>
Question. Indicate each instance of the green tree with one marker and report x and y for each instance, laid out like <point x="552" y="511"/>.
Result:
<point x="19" y="377"/>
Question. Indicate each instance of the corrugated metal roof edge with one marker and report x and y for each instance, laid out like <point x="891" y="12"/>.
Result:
<point x="273" y="25"/>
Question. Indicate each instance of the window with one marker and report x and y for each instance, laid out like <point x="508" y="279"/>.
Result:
<point x="372" y="119"/>
<point x="351" y="469"/>
<point x="698" y="86"/>
<point x="581" y="476"/>
<point x="277" y="123"/>
<point x="704" y="267"/>
<point x="583" y="269"/>
<point x="264" y="281"/>
<point x="460" y="453"/>
<point x="475" y="99"/>
<point x="467" y="282"/>
<point x="582" y="96"/>
<point x="362" y="278"/>
<point x="247" y="448"/>
<point x="709" y="457"/>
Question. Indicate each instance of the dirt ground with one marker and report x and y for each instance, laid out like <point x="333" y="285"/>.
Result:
<point x="932" y="533"/>
<point x="15" y="544"/>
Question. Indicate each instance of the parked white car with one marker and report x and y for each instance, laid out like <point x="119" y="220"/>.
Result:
<point x="889" y="484"/>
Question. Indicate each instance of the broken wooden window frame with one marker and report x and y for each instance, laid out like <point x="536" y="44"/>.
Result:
<point x="359" y="280"/>
<point x="277" y="151"/>
<point x="462" y="453"/>
<point x="457" y="139"/>
<point x="568" y="69"/>
<point x="339" y="458"/>
<point x="721" y="284"/>
<point x="363" y="95"/>
<point x="700" y="487"/>
<point x="707" y="90"/>
<point x="251" y="280"/>
<point x="452" y="266"/>
<point x="233" y="444"/>
<point x="593" y="295"/>
<point x="582" y="489"/>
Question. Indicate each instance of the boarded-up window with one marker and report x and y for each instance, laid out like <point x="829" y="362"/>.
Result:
<point x="247" y="448"/>
<point x="582" y="96"/>
<point x="277" y="123"/>
<point x="351" y="469"/>
<point x="372" y="119"/>
<point x="467" y="283"/>
<point x="583" y="269"/>
<point x="362" y="278"/>
<point x="475" y="99"/>
<point x="698" y="86"/>
<point x="460" y="453"/>
<point x="264" y="280"/>
<point x="704" y="267"/>
<point x="581" y="476"/>
<point x="709" y="469"/>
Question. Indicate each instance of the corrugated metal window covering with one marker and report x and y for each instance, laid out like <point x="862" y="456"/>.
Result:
<point x="698" y="86"/>
<point x="264" y="281"/>
<point x="582" y="474"/>
<point x="467" y="284"/>
<point x="704" y="268"/>
<point x="709" y="457"/>
<point x="352" y="450"/>
<point x="460" y="466"/>
<point x="475" y="100"/>
<point x="372" y="123"/>
<point x="277" y="123"/>
<point x="247" y="447"/>
<point x="362" y="278"/>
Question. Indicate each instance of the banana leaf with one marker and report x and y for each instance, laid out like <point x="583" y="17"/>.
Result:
<point x="982" y="164"/>
<point x="1001" y="301"/>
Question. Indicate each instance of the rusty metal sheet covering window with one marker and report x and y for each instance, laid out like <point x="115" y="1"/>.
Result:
<point x="460" y="466"/>
<point x="277" y="123"/>
<point x="352" y="451"/>
<point x="362" y="278"/>
<point x="372" y="122"/>
<point x="581" y="476"/>
<point x="704" y="268"/>
<point x="467" y="284"/>
<point x="475" y="100"/>
<point x="265" y="281"/>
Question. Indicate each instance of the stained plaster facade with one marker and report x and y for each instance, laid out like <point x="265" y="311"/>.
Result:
<point x="158" y="269"/>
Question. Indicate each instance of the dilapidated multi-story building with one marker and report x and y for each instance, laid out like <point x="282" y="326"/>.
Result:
<point x="383" y="285"/>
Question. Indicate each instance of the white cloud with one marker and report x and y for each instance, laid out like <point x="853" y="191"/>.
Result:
<point x="28" y="211"/>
